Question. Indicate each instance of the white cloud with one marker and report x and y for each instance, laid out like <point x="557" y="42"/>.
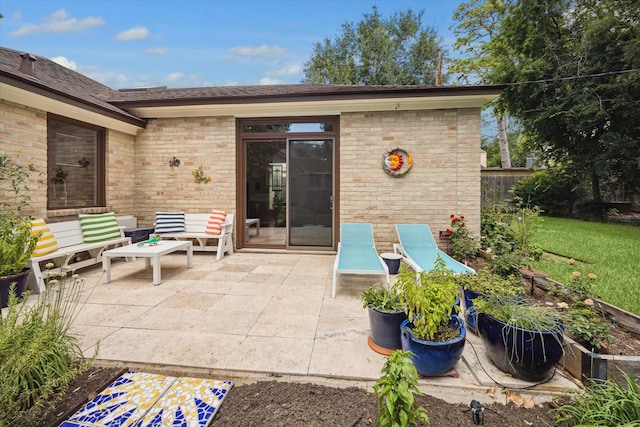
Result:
<point x="135" y="33"/>
<point x="173" y="77"/>
<point x="263" y="51"/>
<point x="65" y="62"/>
<point x="270" y="81"/>
<point x="59" y="22"/>
<point x="290" y="70"/>
<point x="179" y="79"/>
<point x="156" y="51"/>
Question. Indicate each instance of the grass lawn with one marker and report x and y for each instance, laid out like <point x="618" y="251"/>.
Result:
<point x="610" y="251"/>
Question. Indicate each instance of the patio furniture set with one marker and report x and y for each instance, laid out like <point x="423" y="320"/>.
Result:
<point x="94" y="239"/>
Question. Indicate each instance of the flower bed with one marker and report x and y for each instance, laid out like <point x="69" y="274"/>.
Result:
<point x="623" y="354"/>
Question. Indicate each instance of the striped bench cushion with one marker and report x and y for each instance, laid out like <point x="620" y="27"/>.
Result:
<point x="99" y="227"/>
<point x="170" y="222"/>
<point x="47" y="242"/>
<point x="214" y="225"/>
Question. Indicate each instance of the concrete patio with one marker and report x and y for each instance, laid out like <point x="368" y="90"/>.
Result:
<point x="255" y="316"/>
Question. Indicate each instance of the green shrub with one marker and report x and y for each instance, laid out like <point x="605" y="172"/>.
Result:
<point x="395" y="389"/>
<point x="553" y="190"/>
<point x="38" y="355"/>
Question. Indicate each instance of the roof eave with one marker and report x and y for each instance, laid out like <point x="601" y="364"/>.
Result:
<point x="309" y="106"/>
<point x="39" y="91"/>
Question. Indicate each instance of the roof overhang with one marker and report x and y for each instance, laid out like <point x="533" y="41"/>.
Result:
<point x="69" y="108"/>
<point x="309" y="106"/>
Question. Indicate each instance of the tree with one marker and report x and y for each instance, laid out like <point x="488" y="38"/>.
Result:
<point x="478" y="22"/>
<point x="378" y="51"/>
<point x="574" y="92"/>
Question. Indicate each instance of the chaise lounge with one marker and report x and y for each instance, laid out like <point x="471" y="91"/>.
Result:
<point x="357" y="253"/>
<point x="419" y="249"/>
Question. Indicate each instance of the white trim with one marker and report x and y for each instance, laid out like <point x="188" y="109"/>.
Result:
<point x="40" y="102"/>
<point x="314" y="108"/>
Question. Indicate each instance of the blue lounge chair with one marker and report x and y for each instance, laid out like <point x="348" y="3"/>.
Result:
<point x="419" y="249"/>
<point x="357" y="253"/>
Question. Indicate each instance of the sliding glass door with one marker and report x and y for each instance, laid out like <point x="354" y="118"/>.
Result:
<point x="310" y="200"/>
<point x="287" y="182"/>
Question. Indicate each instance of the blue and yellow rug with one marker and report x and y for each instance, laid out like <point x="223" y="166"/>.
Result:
<point x="139" y="399"/>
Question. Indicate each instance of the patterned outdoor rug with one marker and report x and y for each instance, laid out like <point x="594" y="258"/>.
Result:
<point x="139" y="399"/>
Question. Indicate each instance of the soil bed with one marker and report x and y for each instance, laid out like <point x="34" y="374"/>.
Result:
<point x="295" y="404"/>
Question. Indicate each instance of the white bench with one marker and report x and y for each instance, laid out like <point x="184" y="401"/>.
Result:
<point x="72" y="251"/>
<point x="195" y="225"/>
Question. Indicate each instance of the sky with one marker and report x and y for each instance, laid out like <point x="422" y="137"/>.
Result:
<point x="193" y="43"/>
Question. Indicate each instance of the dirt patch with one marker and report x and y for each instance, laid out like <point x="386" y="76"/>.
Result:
<point x="82" y="389"/>
<point x="294" y="404"/>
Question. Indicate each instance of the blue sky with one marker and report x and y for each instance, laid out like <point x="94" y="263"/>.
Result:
<point x="191" y="43"/>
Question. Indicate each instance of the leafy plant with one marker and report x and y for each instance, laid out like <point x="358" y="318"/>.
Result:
<point x="428" y="299"/>
<point x="16" y="242"/>
<point x="506" y="264"/>
<point x="488" y="283"/>
<point x="464" y="244"/>
<point x="525" y="225"/>
<point x="381" y="298"/>
<point x="395" y="389"/>
<point x="603" y="404"/>
<point x="588" y="328"/>
<point x="38" y="355"/>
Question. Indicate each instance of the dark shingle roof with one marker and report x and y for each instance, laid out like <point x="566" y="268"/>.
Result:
<point x="54" y="80"/>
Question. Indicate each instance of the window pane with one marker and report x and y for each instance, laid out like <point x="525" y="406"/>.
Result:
<point x="72" y="165"/>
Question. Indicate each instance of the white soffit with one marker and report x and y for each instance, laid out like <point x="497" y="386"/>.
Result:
<point x="314" y="108"/>
<point x="30" y="99"/>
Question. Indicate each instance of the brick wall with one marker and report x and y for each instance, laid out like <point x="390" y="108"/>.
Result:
<point x="206" y="141"/>
<point x="23" y="136"/>
<point x="121" y="173"/>
<point x="444" y="179"/>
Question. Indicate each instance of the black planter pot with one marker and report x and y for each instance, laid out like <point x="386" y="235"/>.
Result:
<point x="434" y="358"/>
<point x="385" y="329"/>
<point x="527" y="355"/>
<point x="21" y="285"/>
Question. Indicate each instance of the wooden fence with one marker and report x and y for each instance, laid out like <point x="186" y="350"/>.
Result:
<point x="496" y="183"/>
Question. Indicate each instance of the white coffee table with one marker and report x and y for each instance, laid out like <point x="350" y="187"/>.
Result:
<point x="149" y="253"/>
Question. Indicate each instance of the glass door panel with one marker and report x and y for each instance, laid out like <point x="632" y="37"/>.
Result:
<point x="310" y="193"/>
<point x="266" y="191"/>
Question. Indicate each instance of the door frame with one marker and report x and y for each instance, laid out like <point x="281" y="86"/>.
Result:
<point x="241" y="136"/>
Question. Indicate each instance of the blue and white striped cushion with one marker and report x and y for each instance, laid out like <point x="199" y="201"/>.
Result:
<point x="99" y="228"/>
<point x="169" y="222"/>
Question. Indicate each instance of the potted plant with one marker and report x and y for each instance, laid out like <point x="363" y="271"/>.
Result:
<point x="484" y="283"/>
<point x="386" y="314"/>
<point x="433" y="331"/>
<point x="16" y="241"/>
<point x="522" y="339"/>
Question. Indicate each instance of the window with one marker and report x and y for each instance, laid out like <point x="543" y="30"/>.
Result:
<point x="75" y="164"/>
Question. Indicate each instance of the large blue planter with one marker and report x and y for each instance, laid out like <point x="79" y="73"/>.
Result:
<point x="470" y="313"/>
<point x="385" y="328"/>
<point x="434" y="358"/>
<point x="525" y="354"/>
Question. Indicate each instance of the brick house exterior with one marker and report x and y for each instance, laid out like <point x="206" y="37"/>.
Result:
<point x="145" y="129"/>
